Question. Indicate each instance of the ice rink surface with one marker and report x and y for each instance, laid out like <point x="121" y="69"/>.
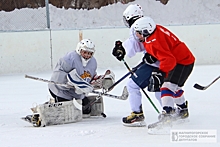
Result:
<point x="19" y="94"/>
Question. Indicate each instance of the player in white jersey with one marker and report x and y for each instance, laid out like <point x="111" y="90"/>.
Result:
<point x="77" y="72"/>
<point x="130" y="47"/>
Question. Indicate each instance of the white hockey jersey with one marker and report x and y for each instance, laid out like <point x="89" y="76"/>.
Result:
<point x="132" y="46"/>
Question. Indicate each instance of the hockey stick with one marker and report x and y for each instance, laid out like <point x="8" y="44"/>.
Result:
<point x="130" y="72"/>
<point x="199" y="87"/>
<point x="122" y="97"/>
<point x="142" y="88"/>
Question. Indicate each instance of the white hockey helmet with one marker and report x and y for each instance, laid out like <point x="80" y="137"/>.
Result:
<point x="86" y="45"/>
<point x="131" y="14"/>
<point x="144" y="26"/>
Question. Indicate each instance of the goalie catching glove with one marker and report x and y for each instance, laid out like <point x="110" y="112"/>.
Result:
<point x="75" y="81"/>
<point x="103" y="81"/>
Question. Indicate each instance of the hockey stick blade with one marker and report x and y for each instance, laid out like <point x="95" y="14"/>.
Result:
<point x="124" y="95"/>
<point x="199" y="87"/>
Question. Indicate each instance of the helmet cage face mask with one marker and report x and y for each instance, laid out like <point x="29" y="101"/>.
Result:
<point x="84" y="60"/>
<point x="84" y="52"/>
<point x="85" y="45"/>
<point x="145" y="26"/>
<point x="144" y="33"/>
<point x="85" y="48"/>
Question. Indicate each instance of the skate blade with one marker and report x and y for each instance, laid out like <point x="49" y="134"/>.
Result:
<point x="165" y="130"/>
<point x="160" y="128"/>
<point x="181" y="121"/>
<point x="136" y="124"/>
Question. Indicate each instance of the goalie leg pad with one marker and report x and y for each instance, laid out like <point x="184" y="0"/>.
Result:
<point x="60" y="113"/>
<point x="96" y="108"/>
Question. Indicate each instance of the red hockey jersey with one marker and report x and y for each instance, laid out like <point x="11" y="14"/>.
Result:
<point x="168" y="49"/>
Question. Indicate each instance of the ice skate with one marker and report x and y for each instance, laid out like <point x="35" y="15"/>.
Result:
<point x="166" y="120"/>
<point x="182" y="114"/>
<point x="36" y="120"/>
<point x="164" y="124"/>
<point x="136" y="119"/>
<point x="183" y="110"/>
<point x="33" y="119"/>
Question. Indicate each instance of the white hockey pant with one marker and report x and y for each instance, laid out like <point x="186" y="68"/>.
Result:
<point x="135" y="95"/>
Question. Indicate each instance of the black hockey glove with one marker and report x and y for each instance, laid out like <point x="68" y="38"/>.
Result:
<point x="118" y="51"/>
<point x="156" y="80"/>
<point x="149" y="58"/>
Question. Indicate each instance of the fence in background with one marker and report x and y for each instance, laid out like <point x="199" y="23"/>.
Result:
<point x="43" y="14"/>
<point x="40" y="15"/>
<point x="25" y="19"/>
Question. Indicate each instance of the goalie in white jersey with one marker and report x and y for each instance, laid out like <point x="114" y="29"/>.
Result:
<point x="77" y="71"/>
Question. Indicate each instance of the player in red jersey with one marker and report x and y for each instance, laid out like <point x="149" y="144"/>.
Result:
<point x="176" y="63"/>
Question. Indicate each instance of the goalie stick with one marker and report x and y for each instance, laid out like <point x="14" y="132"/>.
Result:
<point x="199" y="87"/>
<point x="124" y="95"/>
